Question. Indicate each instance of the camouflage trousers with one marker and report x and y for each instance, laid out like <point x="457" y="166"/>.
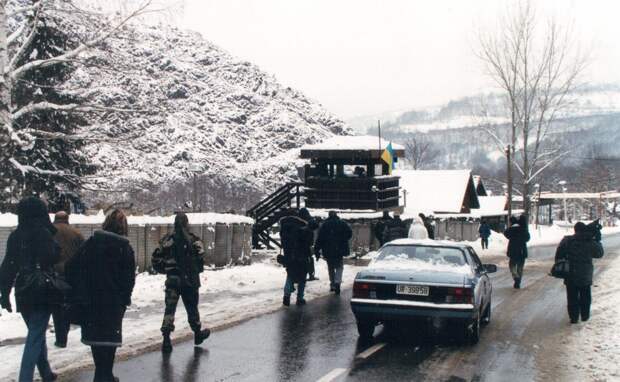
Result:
<point x="190" y="301"/>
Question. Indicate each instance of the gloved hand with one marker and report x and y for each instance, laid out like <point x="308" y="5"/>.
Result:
<point x="5" y="303"/>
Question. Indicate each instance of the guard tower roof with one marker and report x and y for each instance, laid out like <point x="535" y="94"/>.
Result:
<point x="357" y="147"/>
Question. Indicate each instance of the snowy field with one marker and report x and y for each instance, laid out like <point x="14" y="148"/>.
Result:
<point x="239" y="293"/>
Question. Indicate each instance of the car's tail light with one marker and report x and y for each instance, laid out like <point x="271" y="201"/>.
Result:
<point x="460" y="296"/>
<point x="362" y="289"/>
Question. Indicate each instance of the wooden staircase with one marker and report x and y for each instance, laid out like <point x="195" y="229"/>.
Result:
<point x="270" y="210"/>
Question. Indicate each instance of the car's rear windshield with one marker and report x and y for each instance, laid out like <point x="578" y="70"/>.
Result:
<point x="427" y="256"/>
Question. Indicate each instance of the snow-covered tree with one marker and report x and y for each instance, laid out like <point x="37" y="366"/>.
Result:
<point x="536" y="66"/>
<point x="39" y="145"/>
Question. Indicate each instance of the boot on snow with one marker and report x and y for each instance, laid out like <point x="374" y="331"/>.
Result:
<point x="166" y="346"/>
<point x="201" y="335"/>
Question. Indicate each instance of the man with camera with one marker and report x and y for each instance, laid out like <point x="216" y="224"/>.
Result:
<point x="579" y="250"/>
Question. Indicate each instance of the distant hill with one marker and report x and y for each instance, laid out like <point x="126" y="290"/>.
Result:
<point x="591" y="126"/>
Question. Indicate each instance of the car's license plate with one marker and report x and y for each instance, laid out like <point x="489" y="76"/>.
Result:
<point x="412" y="290"/>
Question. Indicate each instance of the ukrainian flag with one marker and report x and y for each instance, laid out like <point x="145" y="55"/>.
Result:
<point x="388" y="157"/>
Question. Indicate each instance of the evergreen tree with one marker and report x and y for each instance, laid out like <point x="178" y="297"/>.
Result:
<point x="53" y="159"/>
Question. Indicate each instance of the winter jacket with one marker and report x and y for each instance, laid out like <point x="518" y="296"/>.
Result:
<point x="394" y="229"/>
<point x="181" y="261"/>
<point x="579" y="250"/>
<point x="297" y="237"/>
<point x="517" y="236"/>
<point x="429" y="229"/>
<point x="379" y="229"/>
<point x="31" y="244"/>
<point x="417" y="230"/>
<point x="102" y="275"/>
<point x="484" y="231"/>
<point x="333" y="240"/>
<point x="70" y="241"/>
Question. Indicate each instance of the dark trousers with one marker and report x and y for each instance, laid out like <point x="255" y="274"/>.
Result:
<point x="61" y="323"/>
<point x="579" y="299"/>
<point x="485" y="242"/>
<point x="335" y="273"/>
<point x="104" y="362"/>
<point x="190" y="300"/>
<point x="311" y="267"/>
<point x="516" y="268"/>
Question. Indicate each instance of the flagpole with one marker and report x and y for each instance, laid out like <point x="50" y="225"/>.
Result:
<point x="379" y="127"/>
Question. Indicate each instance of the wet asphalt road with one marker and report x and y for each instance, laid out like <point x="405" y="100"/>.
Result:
<point x="320" y="342"/>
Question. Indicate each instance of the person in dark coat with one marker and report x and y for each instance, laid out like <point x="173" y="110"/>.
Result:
<point x="332" y="244"/>
<point x="518" y="236"/>
<point x="70" y="241"/>
<point x="102" y="275"/>
<point x="579" y="249"/>
<point x="180" y="257"/>
<point x="428" y="225"/>
<point x="395" y="229"/>
<point x="31" y="245"/>
<point x="297" y="237"/>
<point x="313" y="225"/>
<point x="485" y="232"/>
<point x="379" y="228"/>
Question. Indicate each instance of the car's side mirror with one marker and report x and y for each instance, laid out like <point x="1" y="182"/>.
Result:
<point x="490" y="268"/>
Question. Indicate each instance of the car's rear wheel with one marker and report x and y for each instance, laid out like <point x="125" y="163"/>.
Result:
<point x="486" y="316"/>
<point x="365" y="329"/>
<point x="472" y="331"/>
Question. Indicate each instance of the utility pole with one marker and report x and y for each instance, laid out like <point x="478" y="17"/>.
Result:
<point x="509" y="181"/>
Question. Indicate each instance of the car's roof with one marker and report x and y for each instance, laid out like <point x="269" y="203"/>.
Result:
<point x="428" y="243"/>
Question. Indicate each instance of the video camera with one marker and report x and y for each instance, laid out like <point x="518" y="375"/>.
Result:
<point x="594" y="230"/>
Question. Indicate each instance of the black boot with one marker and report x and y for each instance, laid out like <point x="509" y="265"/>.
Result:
<point x="166" y="346"/>
<point x="286" y="300"/>
<point x="517" y="284"/>
<point x="301" y="301"/>
<point x="337" y="289"/>
<point x="201" y="335"/>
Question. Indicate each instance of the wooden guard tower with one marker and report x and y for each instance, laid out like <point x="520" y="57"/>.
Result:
<point x="347" y="173"/>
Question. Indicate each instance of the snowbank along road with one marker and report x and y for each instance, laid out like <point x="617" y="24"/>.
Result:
<point x="529" y="338"/>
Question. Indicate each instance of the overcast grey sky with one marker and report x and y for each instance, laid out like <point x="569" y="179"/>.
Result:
<point x="360" y="57"/>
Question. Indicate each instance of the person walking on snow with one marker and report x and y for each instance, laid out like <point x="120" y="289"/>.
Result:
<point x="102" y="275"/>
<point x="312" y="225"/>
<point x="70" y="241"/>
<point x="417" y="229"/>
<point x="332" y="244"/>
<point x="180" y="257"/>
<point x="579" y="249"/>
<point x="29" y="247"/>
<point x="518" y="236"/>
<point x="297" y="237"/>
<point x="485" y="232"/>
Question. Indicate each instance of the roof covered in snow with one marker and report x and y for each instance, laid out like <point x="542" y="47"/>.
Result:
<point x="350" y="145"/>
<point x="480" y="189"/>
<point x="438" y="191"/>
<point x="491" y="206"/>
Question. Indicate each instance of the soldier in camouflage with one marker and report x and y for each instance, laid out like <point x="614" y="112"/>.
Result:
<point x="180" y="257"/>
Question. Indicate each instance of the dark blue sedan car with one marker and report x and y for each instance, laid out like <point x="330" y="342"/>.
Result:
<point x="424" y="280"/>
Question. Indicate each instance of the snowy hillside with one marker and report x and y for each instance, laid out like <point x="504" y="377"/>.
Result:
<point x="466" y="112"/>
<point x="588" y="126"/>
<point x="195" y="109"/>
